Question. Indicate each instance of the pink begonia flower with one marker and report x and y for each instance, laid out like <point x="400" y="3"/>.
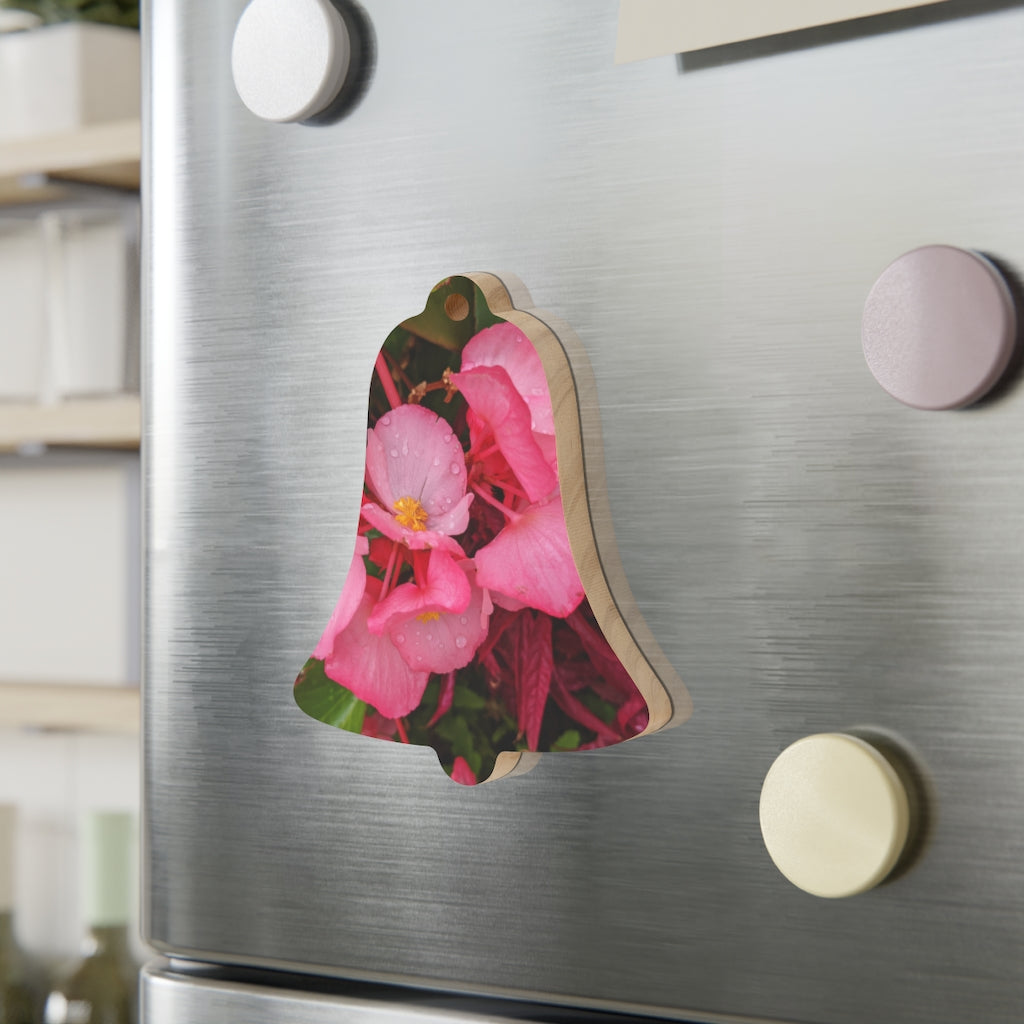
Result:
<point x="417" y="540"/>
<point x="416" y="469"/>
<point x="548" y="447"/>
<point x="441" y="641"/>
<point x="496" y="406"/>
<point x="370" y="666"/>
<point x="445" y="589"/>
<point x="507" y="346"/>
<point x="531" y="562"/>
<point x="348" y="602"/>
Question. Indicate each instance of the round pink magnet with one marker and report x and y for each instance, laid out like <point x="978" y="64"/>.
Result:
<point x="939" y="327"/>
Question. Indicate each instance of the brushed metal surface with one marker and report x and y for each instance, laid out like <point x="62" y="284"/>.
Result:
<point x="172" y="992"/>
<point x="811" y="555"/>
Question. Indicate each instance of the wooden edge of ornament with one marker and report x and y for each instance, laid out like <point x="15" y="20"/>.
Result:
<point x="512" y="762"/>
<point x="587" y="511"/>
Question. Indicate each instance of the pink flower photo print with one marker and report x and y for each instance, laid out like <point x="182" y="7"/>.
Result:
<point x="485" y="614"/>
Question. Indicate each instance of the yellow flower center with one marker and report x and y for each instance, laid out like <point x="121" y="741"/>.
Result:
<point x="428" y="617"/>
<point x="411" y="514"/>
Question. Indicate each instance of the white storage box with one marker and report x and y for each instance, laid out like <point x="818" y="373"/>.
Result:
<point x="23" y="291"/>
<point x="59" y="78"/>
<point x="93" y="307"/>
<point x="70" y="568"/>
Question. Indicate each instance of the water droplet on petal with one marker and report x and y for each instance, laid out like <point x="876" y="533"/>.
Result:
<point x="456" y="468"/>
<point x="460" y="642"/>
<point x="405" y="447"/>
<point x="385" y="421"/>
<point x="394" y="453"/>
<point x="399" y="638"/>
<point x="448" y="438"/>
<point x="437" y="460"/>
<point x="463" y="619"/>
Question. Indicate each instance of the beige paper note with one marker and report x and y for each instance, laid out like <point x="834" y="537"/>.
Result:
<point x="655" y="28"/>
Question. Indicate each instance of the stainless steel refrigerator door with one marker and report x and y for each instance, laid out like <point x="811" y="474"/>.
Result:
<point x="175" y="992"/>
<point x="810" y="554"/>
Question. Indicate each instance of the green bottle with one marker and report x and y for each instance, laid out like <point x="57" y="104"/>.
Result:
<point x="102" y="988"/>
<point x="17" y="995"/>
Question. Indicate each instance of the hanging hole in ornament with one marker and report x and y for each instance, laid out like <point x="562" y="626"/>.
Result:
<point x="456" y="307"/>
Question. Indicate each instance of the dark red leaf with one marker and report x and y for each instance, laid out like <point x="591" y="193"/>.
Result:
<point x="634" y="715"/>
<point x="444" y="698"/>
<point x="577" y="675"/>
<point x="580" y="713"/>
<point x="597" y="647"/>
<point x="500" y="621"/>
<point x="534" y="666"/>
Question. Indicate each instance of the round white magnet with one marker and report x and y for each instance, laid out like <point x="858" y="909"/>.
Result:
<point x="289" y="58"/>
<point x="834" y="815"/>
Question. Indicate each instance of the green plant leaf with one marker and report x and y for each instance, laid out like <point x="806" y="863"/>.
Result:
<point x="602" y="708"/>
<point x="111" y="12"/>
<point x="482" y="315"/>
<point x="569" y="740"/>
<point x="327" y="701"/>
<point x="467" y="700"/>
<point x="455" y="729"/>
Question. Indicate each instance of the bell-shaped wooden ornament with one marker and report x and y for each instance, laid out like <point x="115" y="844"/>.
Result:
<point x="485" y="613"/>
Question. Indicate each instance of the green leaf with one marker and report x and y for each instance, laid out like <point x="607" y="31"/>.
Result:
<point x="569" y="740"/>
<point x="397" y="343"/>
<point x="505" y="729"/>
<point x="429" y="699"/>
<point x="327" y="701"/>
<point x="455" y="729"/>
<point x="467" y="700"/>
<point x="602" y="708"/>
<point x="482" y="315"/>
<point x="113" y="12"/>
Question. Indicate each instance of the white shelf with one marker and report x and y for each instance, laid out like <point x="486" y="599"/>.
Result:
<point x="103" y="154"/>
<point x="36" y="170"/>
<point x="70" y="707"/>
<point x="95" y="423"/>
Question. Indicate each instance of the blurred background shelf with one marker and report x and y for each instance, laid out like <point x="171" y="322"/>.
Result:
<point x="70" y="707"/>
<point x="70" y="152"/>
<point x="94" y="423"/>
<point x="34" y="170"/>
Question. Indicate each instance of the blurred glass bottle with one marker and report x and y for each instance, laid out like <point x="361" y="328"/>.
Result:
<point x="17" y="993"/>
<point x="102" y="988"/>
